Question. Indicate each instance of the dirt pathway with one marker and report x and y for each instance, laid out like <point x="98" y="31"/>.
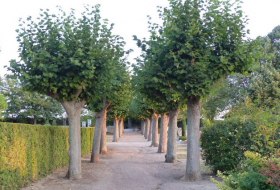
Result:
<point x="130" y="165"/>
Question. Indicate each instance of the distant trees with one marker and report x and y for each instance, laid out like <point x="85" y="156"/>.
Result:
<point x="22" y="104"/>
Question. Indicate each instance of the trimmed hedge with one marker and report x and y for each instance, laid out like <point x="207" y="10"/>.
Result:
<point x="29" y="152"/>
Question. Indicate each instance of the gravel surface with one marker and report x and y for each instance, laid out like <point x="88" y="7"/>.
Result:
<point x="131" y="164"/>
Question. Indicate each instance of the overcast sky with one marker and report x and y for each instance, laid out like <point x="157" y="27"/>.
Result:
<point x="129" y="16"/>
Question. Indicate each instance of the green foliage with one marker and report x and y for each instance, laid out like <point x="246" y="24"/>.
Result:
<point x="3" y="104"/>
<point x="274" y="37"/>
<point x="224" y="95"/>
<point x="25" y="104"/>
<point x="271" y="170"/>
<point x="248" y="176"/>
<point x="29" y="152"/>
<point x="205" y="41"/>
<point x="225" y="142"/>
<point x="121" y="94"/>
<point x="62" y="55"/>
<point x="265" y="87"/>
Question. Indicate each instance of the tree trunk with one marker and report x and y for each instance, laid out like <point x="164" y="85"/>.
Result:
<point x="172" y="134"/>
<point x="35" y="121"/>
<point x="150" y="131"/>
<point x="142" y="127"/>
<point x="122" y="124"/>
<point x="103" y="143"/>
<point x="95" y="154"/>
<point x="73" y="110"/>
<point x="129" y="123"/>
<point x="163" y="133"/>
<point x="148" y="126"/>
<point x="120" y="127"/>
<point x="116" y="130"/>
<point x="64" y="122"/>
<point x="145" y="129"/>
<point x="184" y="127"/>
<point x="193" y="148"/>
<point x="155" y="130"/>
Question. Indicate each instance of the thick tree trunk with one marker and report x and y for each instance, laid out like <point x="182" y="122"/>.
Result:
<point x="162" y="147"/>
<point x="193" y="172"/>
<point x="148" y="125"/>
<point x="120" y="127"/>
<point x="155" y="130"/>
<point x="150" y="131"/>
<point x="172" y="134"/>
<point x="145" y="129"/>
<point x="103" y="143"/>
<point x="116" y="130"/>
<point x="95" y="154"/>
<point x="142" y="127"/>
<point x="73" y="110"/>
<point x="122" y="124"/>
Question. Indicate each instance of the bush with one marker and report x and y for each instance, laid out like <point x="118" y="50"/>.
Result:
<point x="28" y="152"/>
<point x="224" y="143"/>
<point x="249" y="175"/>
<point x="271" y="170"/>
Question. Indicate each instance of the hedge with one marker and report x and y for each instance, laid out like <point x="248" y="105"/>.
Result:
<point x="225" y="142"/>
<point x="29" y="152"/>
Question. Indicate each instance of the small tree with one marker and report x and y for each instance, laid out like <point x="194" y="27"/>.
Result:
<point x="60" y="56"/>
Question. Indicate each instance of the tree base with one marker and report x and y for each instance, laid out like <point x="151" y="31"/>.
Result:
<point x="104" y="151"/>
<point x="73" y="177"/>
<point x="170" y="159"/>
<point x="154" y="145"/>
<point x="94" y="158"/>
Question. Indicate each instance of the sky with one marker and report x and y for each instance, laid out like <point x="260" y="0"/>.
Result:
<point x="129" y="17"/>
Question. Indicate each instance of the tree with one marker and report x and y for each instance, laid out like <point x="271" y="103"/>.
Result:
<point x="274" y="37"/>
<point x="160" y="93"/>
<point x="107" y="84"/>
<point x="121" y="100"/>
<point x="206" y="41"/>
<point x="265" y="87"/>
<point x="200" y="42"/>
<point x="61" y="56"/>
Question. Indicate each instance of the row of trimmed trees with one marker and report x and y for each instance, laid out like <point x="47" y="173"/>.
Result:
<point x="79" y="62"/>
<point x="199" y="43"/>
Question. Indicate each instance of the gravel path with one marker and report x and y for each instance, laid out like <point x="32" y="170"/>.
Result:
<point x="131" y="164"/>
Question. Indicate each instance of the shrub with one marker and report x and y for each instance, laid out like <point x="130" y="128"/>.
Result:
<point x="248" y="175"/>
<point x="271" y="170"/>
<point x="224" y="143"/>
<point x="28" y="152"/>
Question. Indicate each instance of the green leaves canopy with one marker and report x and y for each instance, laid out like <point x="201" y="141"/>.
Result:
<point x="205" y="40"/>
<point x="61" y="55"/>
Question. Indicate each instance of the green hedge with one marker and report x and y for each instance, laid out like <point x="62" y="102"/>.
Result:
<point x="28" y="152"/>
<point x="225" y="142"/>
